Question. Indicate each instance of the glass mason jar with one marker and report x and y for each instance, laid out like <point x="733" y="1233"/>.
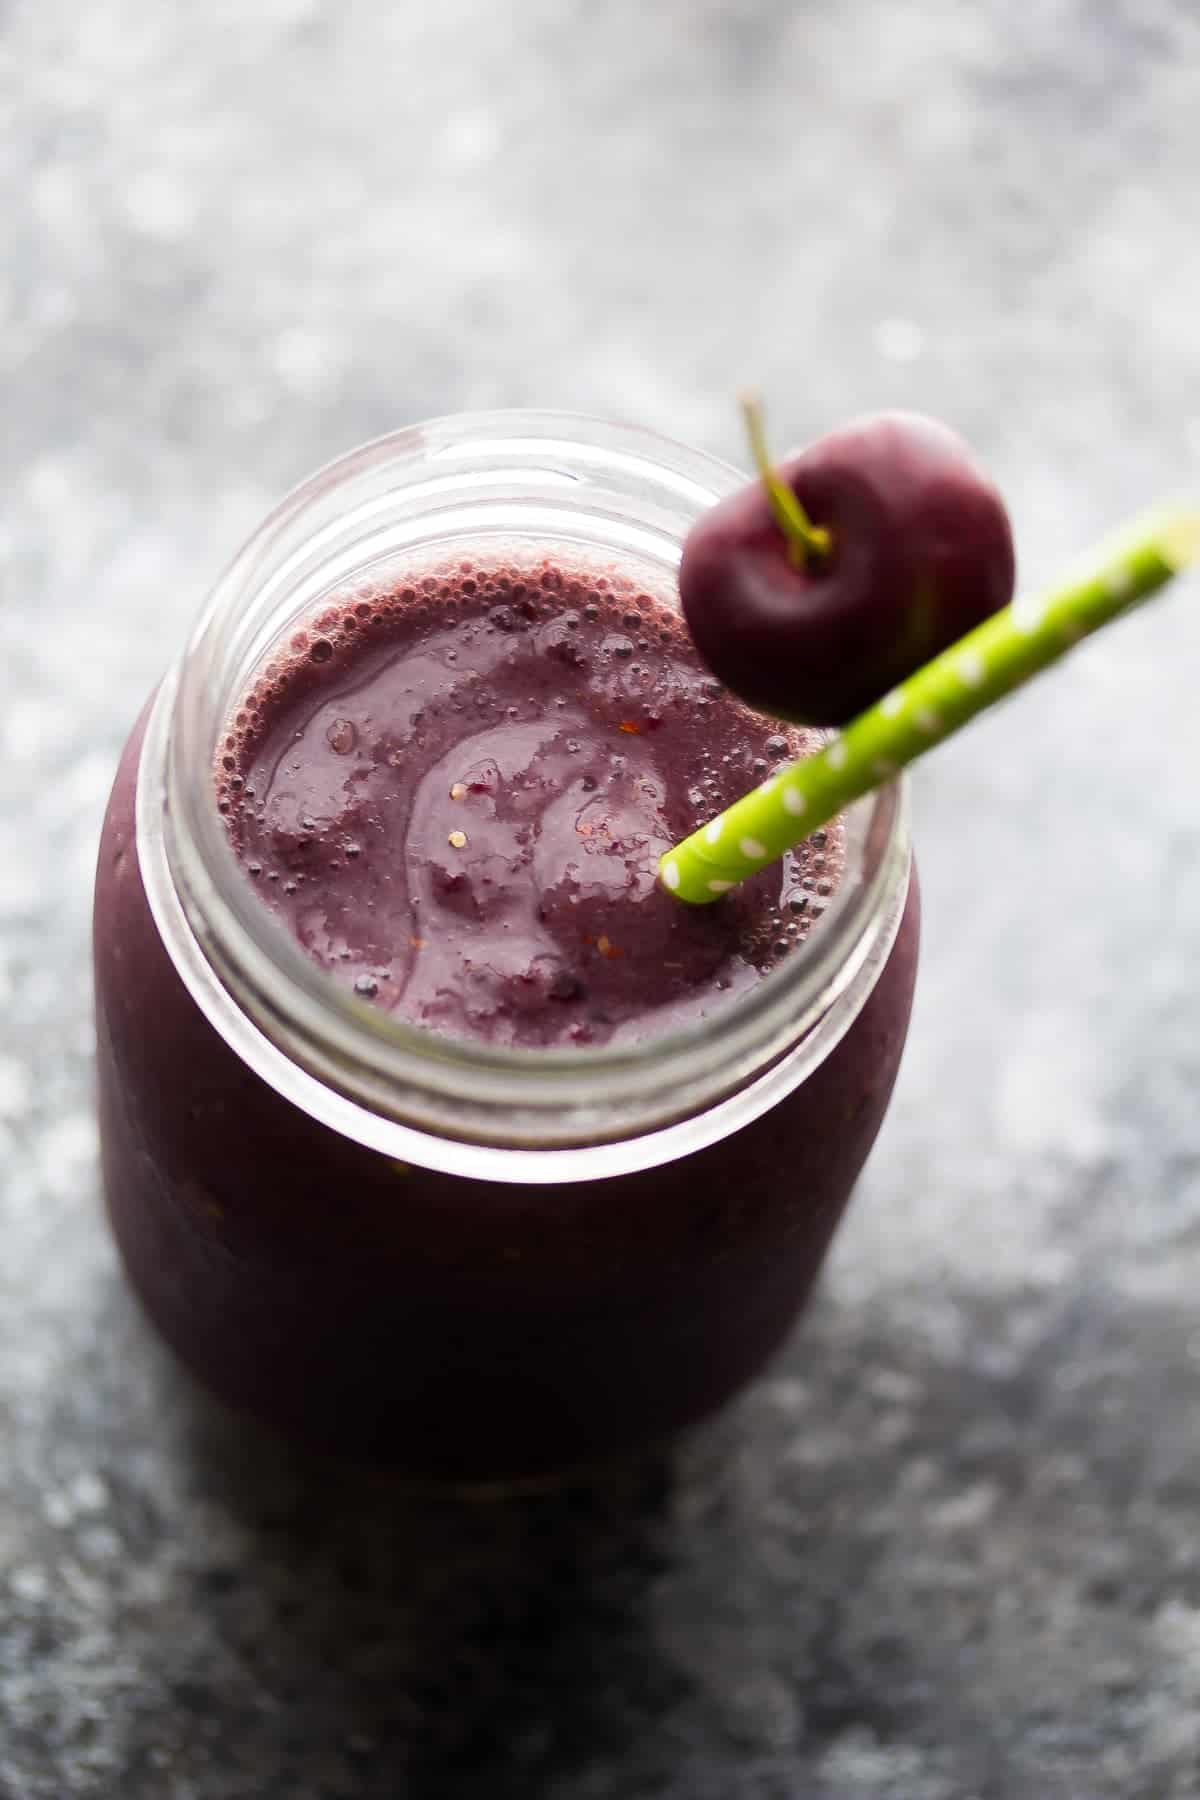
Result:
<point x="462" y="1260"/>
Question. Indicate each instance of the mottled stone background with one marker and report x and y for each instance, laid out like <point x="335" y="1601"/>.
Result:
<point x="950" y="1548"/>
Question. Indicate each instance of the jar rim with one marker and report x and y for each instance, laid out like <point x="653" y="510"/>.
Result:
<point x="451" y="471"/>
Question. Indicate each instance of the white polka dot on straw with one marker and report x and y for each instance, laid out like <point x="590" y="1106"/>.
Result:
<point x="716" y="886"/>
<point x="1118" y="582"/>
<point x="892" y="703"/>
<point x="752" y="850"/>
<point x="712" y="832"/>
<point x="670" y="874"/>
<point x="794" y="802"/>
<point x="970" y="668"/>
<point x="928" y="721"/>
<point x="836" y="754"/>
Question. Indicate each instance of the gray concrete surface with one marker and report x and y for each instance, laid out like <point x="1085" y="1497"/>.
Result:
<point x="948" y="1550"/>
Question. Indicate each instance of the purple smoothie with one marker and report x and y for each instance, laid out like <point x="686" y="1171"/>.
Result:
<point x="456" y="796"/>
<point x="449" y="1325"/>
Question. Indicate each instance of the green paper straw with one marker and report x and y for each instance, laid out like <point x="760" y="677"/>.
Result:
<point x="939" y="699"/>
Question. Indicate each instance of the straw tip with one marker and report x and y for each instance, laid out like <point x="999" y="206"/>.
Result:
<point x="1180" y="538"/>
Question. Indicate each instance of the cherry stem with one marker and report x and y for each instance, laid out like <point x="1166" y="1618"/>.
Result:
<point x="804" y="539"/>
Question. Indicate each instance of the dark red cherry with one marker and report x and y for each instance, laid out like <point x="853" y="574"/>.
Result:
<point x="899" y="545"/>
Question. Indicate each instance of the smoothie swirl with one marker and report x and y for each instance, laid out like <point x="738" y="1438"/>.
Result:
<point x="453" y="786"/>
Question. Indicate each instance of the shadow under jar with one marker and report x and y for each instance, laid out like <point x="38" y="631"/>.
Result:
<point x="457" y="1258"/>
